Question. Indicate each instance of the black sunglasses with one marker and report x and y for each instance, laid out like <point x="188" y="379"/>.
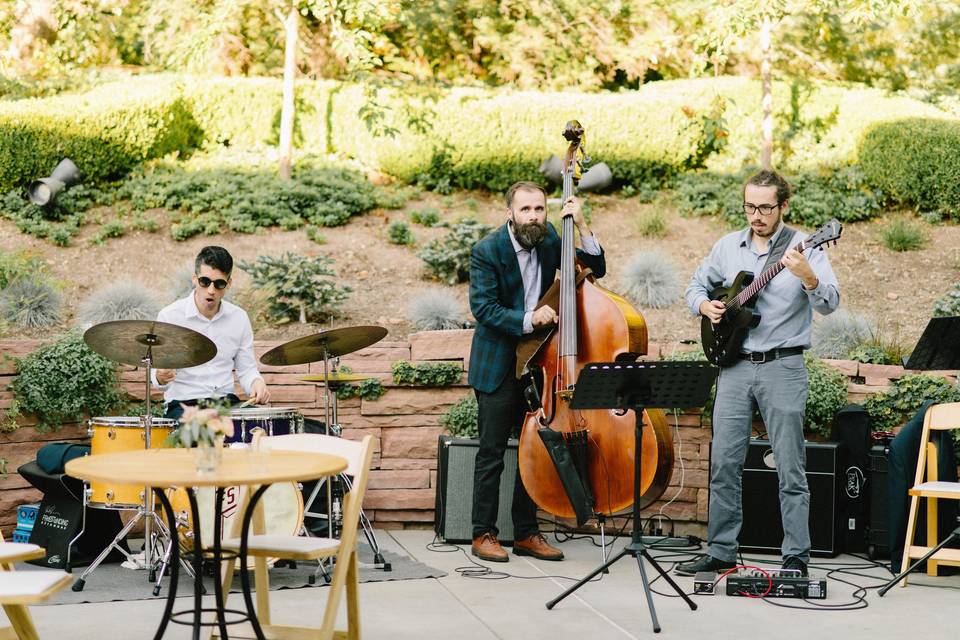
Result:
<point x="219" y="283"/>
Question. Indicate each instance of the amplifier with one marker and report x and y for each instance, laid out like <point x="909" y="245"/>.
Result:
<point x="762" y="528"/>
<point x="779" y="584"/>
<point x="454" y="502"/>
<point x="878" y="533"/>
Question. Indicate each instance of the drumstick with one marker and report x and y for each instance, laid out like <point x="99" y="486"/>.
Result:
<point x="246" y="404"/>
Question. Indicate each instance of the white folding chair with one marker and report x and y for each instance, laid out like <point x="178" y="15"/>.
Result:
<point x="261" y="546"/>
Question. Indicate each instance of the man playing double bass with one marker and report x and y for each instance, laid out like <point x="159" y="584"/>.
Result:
<point x="769" y="374"/>
<point x="509" y="270"/>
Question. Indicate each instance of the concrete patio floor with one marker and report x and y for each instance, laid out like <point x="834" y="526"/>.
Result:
<point x="464" y="608"/>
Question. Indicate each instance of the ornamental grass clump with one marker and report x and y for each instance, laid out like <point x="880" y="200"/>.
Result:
<point x="650" y="280"/>
<point x="435" y="309"/>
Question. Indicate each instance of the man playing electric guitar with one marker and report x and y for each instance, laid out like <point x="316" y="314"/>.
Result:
<point x="769" y="374"/>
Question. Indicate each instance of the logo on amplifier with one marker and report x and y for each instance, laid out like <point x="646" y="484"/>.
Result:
<point x="768" y="459"/>
<point x="855" y="482"/>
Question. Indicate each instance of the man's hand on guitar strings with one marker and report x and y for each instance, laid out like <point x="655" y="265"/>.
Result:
<point x="797" y="263"/>
<point x="712" y="309"/>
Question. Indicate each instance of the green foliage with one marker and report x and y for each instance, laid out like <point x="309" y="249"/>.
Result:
<point x="245" y="198"/>
<point x="869" y="354"/>
<point x="652" y="223"/>
<point x="367" y="390"/>
<point x="949" y="304"/>
<point x="31" y="302"/>
<point x="901" y="400"/>
<point x="427" y="374"/>
<point x="399" y="233"/>
<point x="462" y="418"/>
<point x="915" y="161"/>
<point x="302" y="288"/>
<point x="114" y="229"/>
<point x="106" y="132"/>
<point x="428" y="217"/>
<point x="826" y="396"/>
<point x="901" y="234"/>
<point x="448" y="258"/>
<point x="57" y="223"/>
<point x="19" y="264"/>
<point x="63" y="382"/>
<point x="314" y="235"/>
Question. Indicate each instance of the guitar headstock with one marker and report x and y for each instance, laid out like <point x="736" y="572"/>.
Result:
<point x="830" y="232"/>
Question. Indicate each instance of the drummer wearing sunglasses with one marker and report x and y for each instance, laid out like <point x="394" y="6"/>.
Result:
<point x="227" y="325"/>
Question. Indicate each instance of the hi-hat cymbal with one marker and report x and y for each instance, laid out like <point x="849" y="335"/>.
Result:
<point x="326" y="344"/>
<point x="337" y="376"/>
<point x="171" y="346"/>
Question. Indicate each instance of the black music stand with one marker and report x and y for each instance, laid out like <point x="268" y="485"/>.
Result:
<point x="639" y="386"/>
<point x="938" y="347"/>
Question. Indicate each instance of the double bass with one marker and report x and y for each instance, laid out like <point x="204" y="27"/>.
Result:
<point x="594" y="324"/>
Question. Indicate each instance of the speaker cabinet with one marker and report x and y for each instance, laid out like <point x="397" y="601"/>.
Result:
<point x="878" y="534"/>
<point x="454" y="503"/>
<point x="762" y="527"/>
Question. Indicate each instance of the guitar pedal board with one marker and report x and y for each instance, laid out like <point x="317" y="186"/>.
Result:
<point x="779" y="584"/>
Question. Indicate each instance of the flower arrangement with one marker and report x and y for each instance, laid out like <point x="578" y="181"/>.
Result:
<point x="201" y="428"/>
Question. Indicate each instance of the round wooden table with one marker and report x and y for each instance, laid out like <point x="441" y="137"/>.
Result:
<point x="165" y="468"/>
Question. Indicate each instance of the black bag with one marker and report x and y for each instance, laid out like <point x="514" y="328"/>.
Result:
<point x="54" y="456"/>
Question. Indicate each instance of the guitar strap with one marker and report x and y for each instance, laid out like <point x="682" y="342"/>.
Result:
<point x="780" y="246"/>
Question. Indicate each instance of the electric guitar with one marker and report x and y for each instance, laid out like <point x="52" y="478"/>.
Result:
<point x="722" y="341"/>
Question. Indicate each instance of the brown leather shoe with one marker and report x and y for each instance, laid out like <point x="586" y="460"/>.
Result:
<point x="537" y="546"/>
<point x="486" y="547"/>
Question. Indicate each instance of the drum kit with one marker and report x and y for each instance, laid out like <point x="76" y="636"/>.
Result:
<point x="152" y="344"/>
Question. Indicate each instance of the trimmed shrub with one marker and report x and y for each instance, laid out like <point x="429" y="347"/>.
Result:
<point x="121" y="301"/>
<point x="106" y="132"/>
<point x="427" y="374"/>
<point x="650" y="279"/>
<point x="303" y="288"/>
<point x="435" y="309"/>
<point x="399" y="233"/>
<point x="916" y="162"/>
<point x="448" y="258"/>
<point x="30" y="302"/>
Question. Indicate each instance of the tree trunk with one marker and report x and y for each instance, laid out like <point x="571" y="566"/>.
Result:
<point x="289" y="70"/>
<point x="766" y="150"/>
<point x="303" y="312"/>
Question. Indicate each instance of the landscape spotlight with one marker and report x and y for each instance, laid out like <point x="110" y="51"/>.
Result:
<point x="45" y="190"/>
<point x="597" y="178"/>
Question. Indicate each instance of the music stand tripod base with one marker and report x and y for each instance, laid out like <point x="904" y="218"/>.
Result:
<point x="639" y="386"/>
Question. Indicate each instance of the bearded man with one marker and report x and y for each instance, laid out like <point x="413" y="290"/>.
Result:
<point x="509" y="270"/>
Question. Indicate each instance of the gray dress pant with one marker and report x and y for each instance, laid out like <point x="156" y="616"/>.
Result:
<point x="777" y="388"/>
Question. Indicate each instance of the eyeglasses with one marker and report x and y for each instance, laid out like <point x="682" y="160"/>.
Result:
<point x="219" y="283"/>
<point x="764" y="209"/>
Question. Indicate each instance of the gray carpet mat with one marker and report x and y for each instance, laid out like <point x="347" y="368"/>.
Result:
<point x="111" y="582"/>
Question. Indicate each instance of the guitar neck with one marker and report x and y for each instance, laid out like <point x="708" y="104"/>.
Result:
<point x="760" y="282"/>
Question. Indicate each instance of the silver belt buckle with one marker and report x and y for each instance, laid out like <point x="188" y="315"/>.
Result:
<point x="761" y="359"/>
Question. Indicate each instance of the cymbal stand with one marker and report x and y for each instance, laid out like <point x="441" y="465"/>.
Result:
<point x="146" y="508"/>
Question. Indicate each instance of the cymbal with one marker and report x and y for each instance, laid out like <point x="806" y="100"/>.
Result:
<point x="331" y="344"/>
<point x="127" y="341"/>
<point x="337" y="376"/>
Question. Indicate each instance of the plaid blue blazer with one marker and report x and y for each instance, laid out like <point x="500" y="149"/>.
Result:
<point x="496" y="300"/>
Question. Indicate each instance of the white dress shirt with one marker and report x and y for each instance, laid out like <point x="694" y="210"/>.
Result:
<point x="230" y="330"/>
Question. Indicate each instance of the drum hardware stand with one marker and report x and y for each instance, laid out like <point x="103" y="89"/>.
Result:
<point x="146" y="508"/>
<point x="637" y="386"/>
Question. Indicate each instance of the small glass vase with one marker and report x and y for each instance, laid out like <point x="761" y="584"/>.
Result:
<point x="208" y="457"/>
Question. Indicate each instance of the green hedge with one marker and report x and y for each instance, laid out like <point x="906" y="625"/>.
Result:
<point x="107" y="131"/>
<point x="466" y="138"/>
<point x="916" y="161"/>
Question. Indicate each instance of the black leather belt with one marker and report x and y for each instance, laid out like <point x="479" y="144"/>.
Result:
<point x="759" y="357"/>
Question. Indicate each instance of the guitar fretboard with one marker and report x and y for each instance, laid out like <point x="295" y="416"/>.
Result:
<point x="758" y="283"/>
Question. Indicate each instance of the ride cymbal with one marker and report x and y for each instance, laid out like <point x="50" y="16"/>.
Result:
<point x="171" y="346"/>
<point x="326" y="344"/>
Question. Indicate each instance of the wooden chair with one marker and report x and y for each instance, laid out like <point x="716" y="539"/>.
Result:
<point x="21" y="588"/>
<point x="939" y="417"/>
<point x="359" y="456"/>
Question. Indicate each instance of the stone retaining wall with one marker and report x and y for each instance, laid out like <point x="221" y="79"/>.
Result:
<point x="405" y="423"/>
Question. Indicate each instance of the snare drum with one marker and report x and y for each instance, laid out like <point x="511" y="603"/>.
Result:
<point x="122" y="433"/>
<point x="282" y="504"/>
<point x="275" y="421"/>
